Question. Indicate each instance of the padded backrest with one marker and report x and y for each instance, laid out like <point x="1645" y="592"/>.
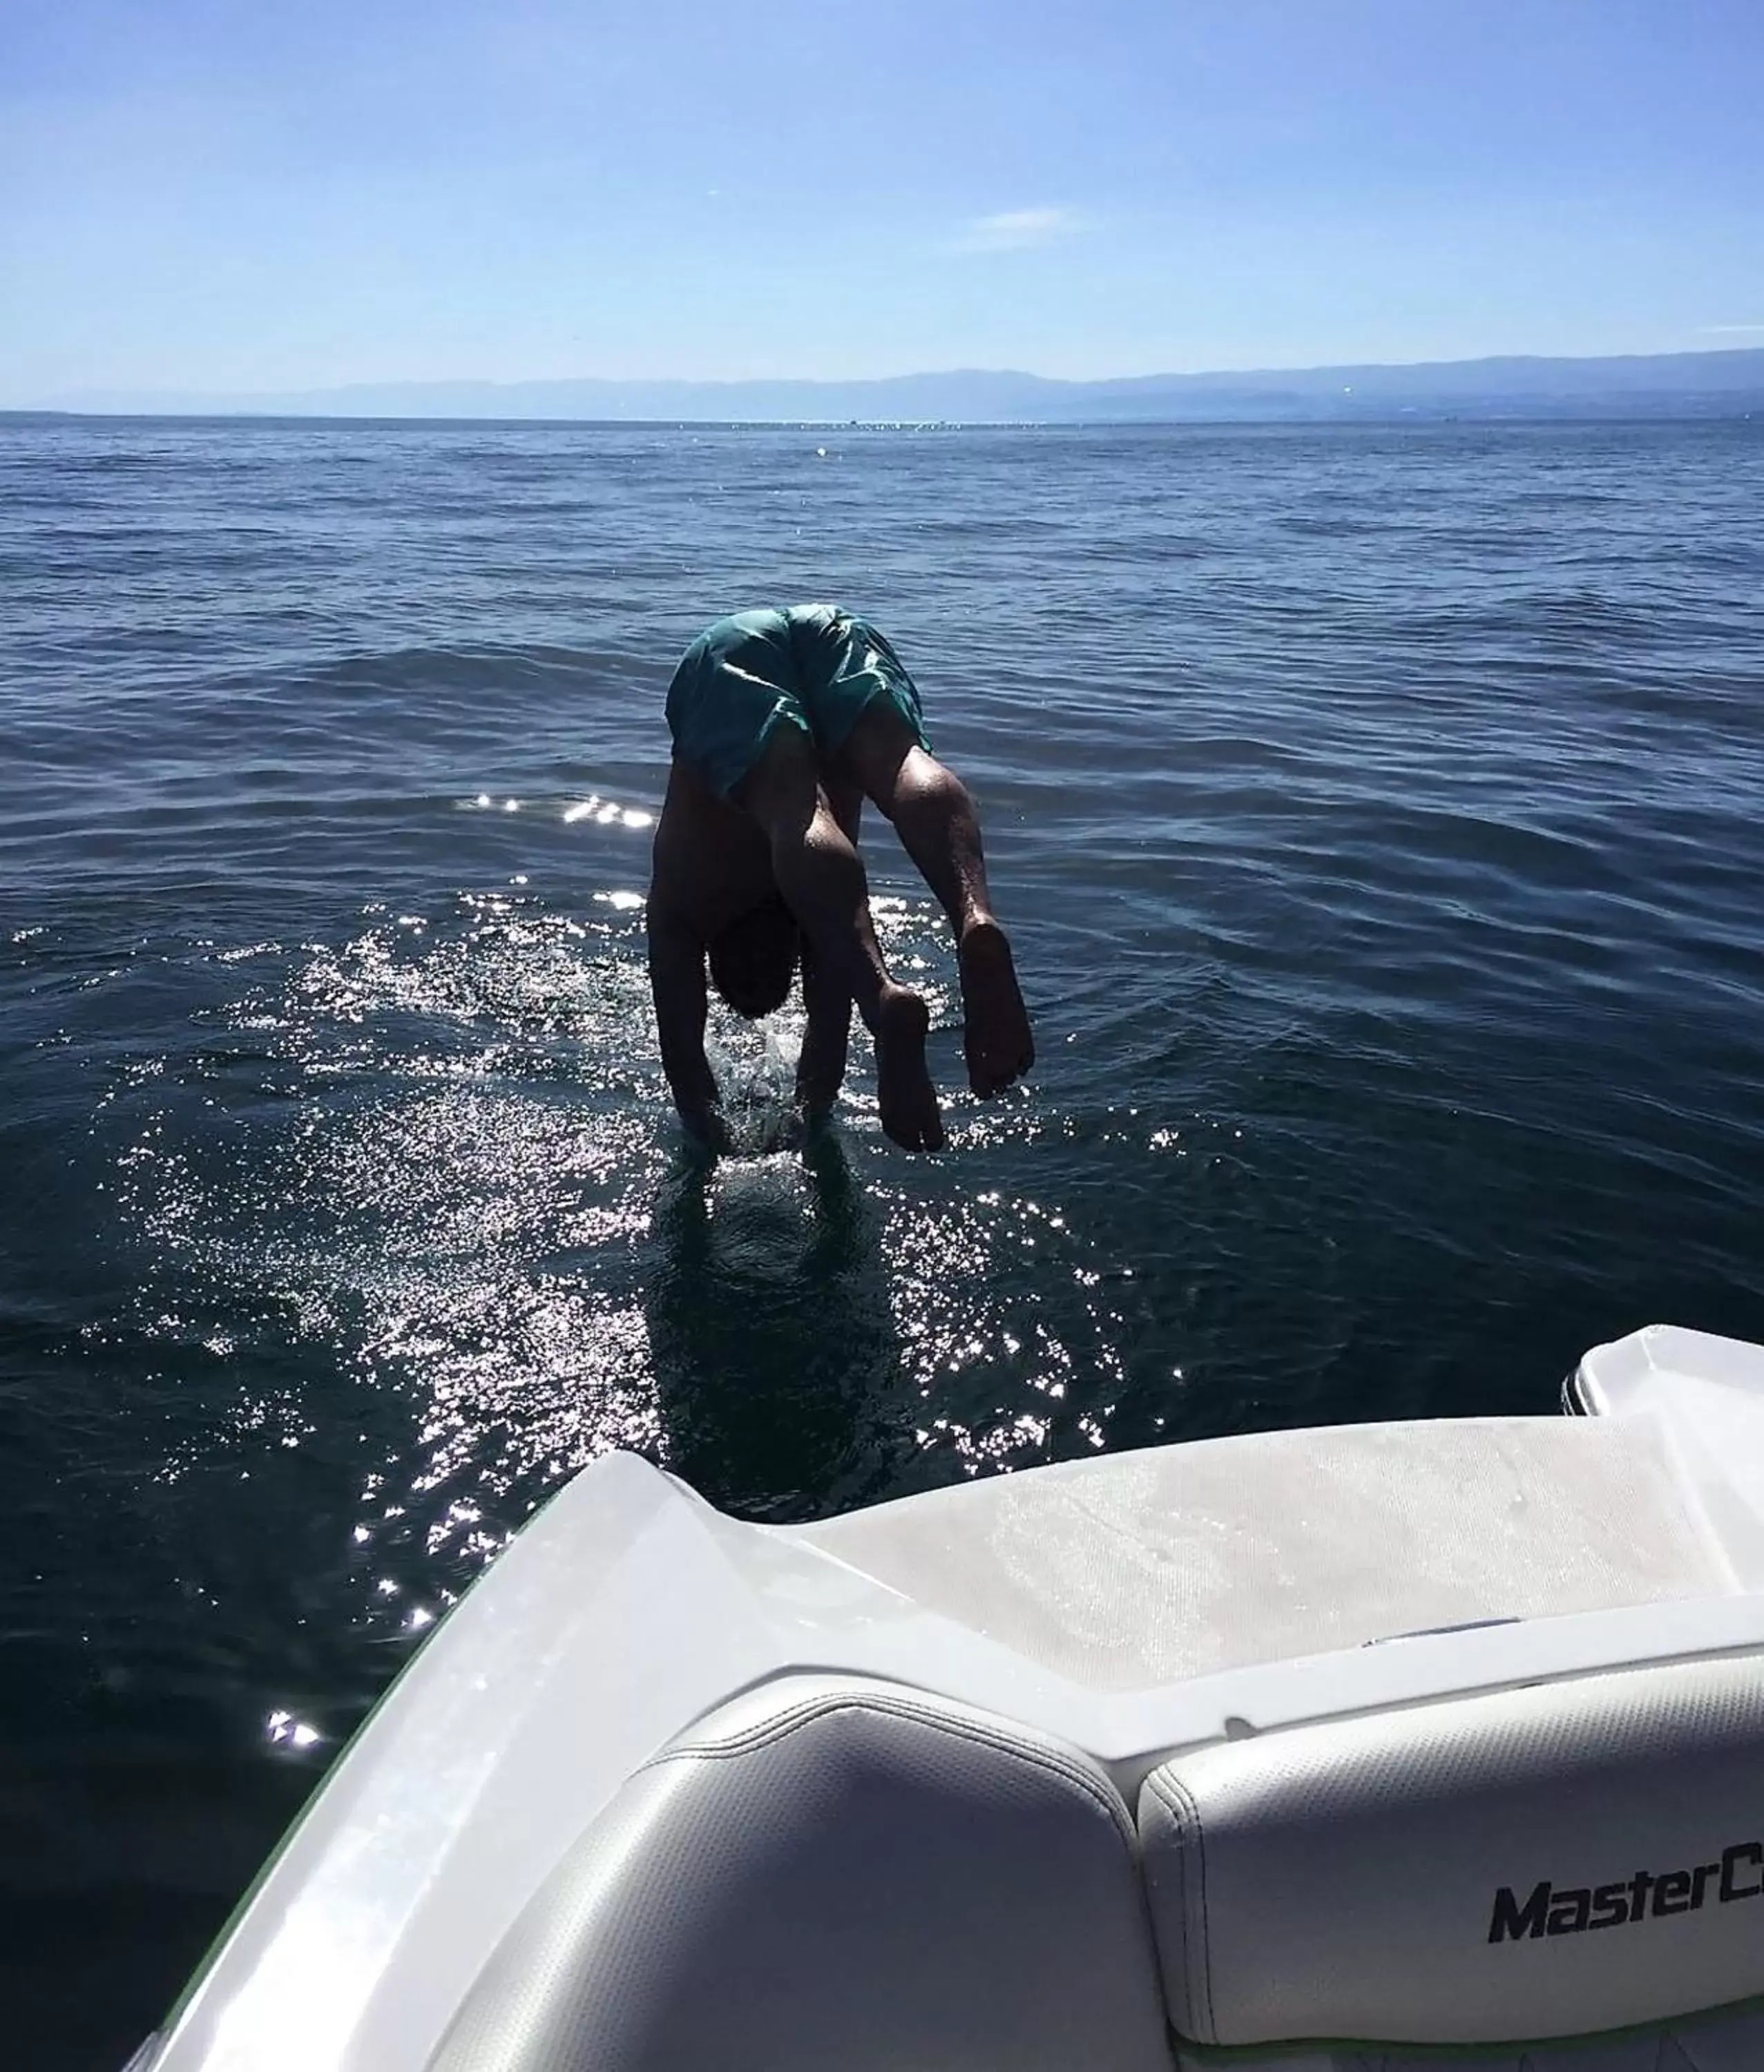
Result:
<point x="831" y="1872"/>
<point x="1553" y="1861"/>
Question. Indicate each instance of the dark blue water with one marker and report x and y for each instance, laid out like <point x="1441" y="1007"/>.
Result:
<point x="1378" y="815"/>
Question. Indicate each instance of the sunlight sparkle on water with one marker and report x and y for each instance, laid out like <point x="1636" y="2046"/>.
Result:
<point x="607" y="812"/>
<point x="476" y="1217"/>
<point x="284" y="1731"/>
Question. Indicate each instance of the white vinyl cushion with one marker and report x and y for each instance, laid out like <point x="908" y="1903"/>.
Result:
<point x="831" y="1872"/>
<point x="1559" y="1860"/>
<point x="1730" y="2041"/>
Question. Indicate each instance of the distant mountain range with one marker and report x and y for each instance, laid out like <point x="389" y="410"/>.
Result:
<point x="1678" y="385"/>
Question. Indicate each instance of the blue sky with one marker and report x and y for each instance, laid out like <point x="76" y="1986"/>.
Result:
<point x="228" y="194"/>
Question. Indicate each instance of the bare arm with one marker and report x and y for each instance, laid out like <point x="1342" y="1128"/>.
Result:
<point x="676" y="980"/>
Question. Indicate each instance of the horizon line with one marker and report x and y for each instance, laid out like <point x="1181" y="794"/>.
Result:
<point x="70" y="401"/>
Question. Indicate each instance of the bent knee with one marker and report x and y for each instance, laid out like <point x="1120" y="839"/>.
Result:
<point x="928" y="788"/>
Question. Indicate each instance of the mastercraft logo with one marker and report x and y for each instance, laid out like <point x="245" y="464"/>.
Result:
<point x="1553" y="1910"/>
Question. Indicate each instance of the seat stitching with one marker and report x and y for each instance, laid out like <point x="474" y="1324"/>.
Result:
<point x="1206" y="1925"/>
<point x="808" y="1710"/>
<point x="1182" y="1908"/>
<point x="811" y="1709"/>
<point x="1185" y="1809"/>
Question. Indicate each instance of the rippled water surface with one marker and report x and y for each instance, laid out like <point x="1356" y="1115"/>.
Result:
<point x="1377" y="813"/>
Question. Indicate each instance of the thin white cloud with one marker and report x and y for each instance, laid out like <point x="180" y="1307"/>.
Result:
<point x="1016" y="230"/>
<point x="1711" y="330"/>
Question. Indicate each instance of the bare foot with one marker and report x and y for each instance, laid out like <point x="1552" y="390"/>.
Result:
<point x="996" y="1037"/>
<point x="903" y="1086"/>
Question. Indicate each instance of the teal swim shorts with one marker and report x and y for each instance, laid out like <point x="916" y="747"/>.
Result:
<point x="812" y="667"/>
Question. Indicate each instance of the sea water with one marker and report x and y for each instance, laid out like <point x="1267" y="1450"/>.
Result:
<point x="1377" y="815"/>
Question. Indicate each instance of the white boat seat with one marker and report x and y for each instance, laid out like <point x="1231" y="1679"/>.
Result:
<point x="1564" y="1859"/>
<point x="830" y="1871"/>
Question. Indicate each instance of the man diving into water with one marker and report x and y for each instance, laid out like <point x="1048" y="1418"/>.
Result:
<point x="783" y="723"/>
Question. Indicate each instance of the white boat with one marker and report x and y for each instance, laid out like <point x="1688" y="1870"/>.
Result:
<point x="1343" y="1747"/>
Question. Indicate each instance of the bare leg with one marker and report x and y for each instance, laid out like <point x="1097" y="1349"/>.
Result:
<point x="820" y="1069"/>
<point x="934" y="816"/>
<point x="820" y="875"/>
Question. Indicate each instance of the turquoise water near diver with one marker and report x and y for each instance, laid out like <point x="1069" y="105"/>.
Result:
<point x="1375" y="811"/>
